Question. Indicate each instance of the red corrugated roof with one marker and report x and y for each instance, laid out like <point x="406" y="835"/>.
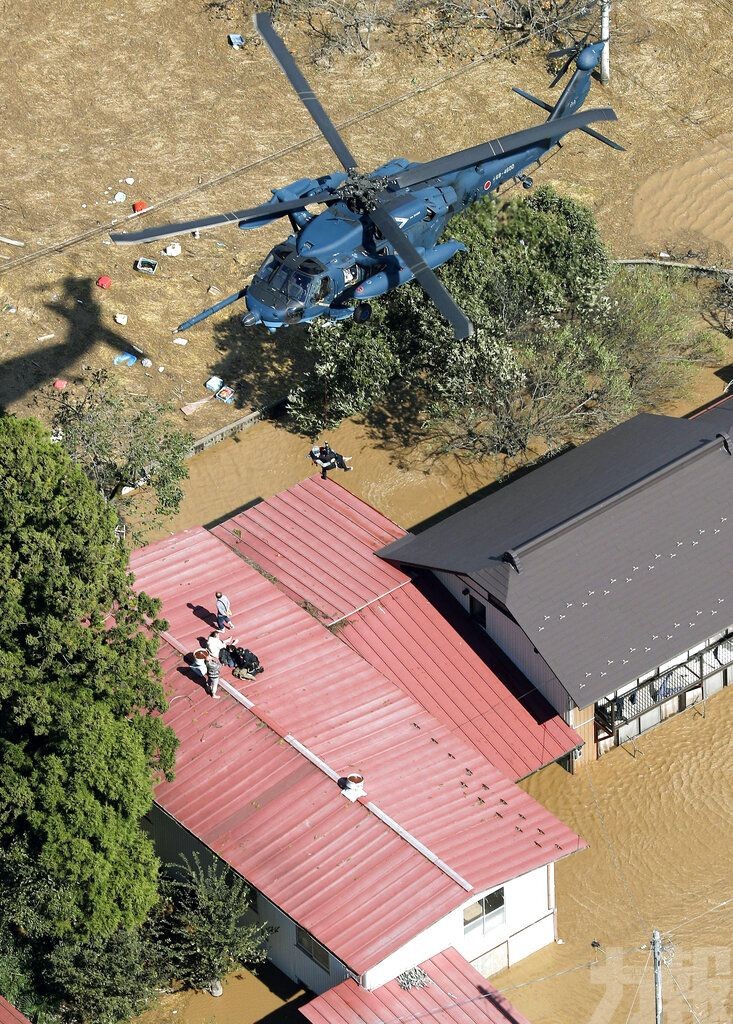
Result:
<point x="457" y="994"/>
<point x="336" y="868"/>
<point x="424" y="646"/>
<point x="414" y="645"/>
<point x="319" y="540"/>
<point x="9" y="1014"/>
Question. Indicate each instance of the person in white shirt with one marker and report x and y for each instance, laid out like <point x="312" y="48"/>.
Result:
<point x="217" y="647"/>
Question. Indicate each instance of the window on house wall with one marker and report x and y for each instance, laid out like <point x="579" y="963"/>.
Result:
<point x="305" y="941"/>
<point x="477" y="610"/>
<point x="484" y="915"/>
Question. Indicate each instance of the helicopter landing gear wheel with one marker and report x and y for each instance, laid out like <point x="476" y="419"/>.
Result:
<point x="362" y="312"/>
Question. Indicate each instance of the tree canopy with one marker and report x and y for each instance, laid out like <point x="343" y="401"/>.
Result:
<point x="565" y="343"/>
<point x="208" y="931"/>
<point x="80" y="742"/>
<point x="120" y="441"/>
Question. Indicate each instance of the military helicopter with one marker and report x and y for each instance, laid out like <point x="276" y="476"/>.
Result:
<point x="382" y="229"/>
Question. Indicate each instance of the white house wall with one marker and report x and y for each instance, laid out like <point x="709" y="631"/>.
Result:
<point x="171" y="840"/>
<point x="285" y="954"/>
<point x="515" y="644"/>
<point x="529" y="907"/>
<point x="528" y="926"/>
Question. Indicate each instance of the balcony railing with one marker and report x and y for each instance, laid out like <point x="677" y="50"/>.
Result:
<point x="617" y="711"/>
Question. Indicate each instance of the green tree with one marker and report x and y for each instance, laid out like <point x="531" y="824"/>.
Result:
<point x="208" y="931"/>
<point x="106" y="980"/>
<point x="81" y="740"/>
<point x="564" y="344"/>
<point x="120" y="441"/>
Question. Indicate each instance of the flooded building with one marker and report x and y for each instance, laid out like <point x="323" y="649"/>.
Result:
<point x="382" y="844"/>
<point x="604" y="574"/>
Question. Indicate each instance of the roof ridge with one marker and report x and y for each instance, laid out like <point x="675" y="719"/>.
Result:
<point x="323" y="766"/>
<point x="675" y="465"/>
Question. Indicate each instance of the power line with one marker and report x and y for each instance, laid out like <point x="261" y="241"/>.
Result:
<point x="689" y="1005"/>
<point x="488" y="995"/>
<point x="697" y="917"/>
<point x="571" y="970"/>
<point x="641" y="979"/>
<point x="55" y="247"/>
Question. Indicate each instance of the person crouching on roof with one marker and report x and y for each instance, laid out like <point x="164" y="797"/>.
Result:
<point x="220" y="649"/>
<point x="199" y="662"/>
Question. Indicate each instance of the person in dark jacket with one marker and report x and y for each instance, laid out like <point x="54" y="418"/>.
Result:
<point x="325" y="457"/>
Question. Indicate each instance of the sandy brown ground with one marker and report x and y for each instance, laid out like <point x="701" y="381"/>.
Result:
<point x="151" y="90"/>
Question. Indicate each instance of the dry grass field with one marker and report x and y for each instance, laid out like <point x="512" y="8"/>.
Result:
<point x="150" y="89"/>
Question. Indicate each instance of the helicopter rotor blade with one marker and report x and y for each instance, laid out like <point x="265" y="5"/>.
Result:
<point x="556" y="54"/>
<point x="573" y="52"/>
<point x="274" y="209"/>
<point x="564" y="69"/>
<point x="462" y="326"/>
<point x="500" y="147"/>
<point x="283" y="56"/>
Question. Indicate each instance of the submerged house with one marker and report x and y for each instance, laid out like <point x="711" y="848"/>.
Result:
<point x="379" y="835"/>
<point x="604" y="574"/>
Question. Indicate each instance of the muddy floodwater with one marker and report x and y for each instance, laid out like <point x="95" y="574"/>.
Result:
<point x="658" y="816"/>
<point x="268" y="997"/>
<point x="398" y="479"/>
<point x="265" y="459"/>
<point x="659" y="820"/>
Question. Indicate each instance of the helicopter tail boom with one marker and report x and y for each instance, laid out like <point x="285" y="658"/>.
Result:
<point x="550" y="109"/>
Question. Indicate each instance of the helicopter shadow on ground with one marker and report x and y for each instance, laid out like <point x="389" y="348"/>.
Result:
<point x="85" y="328"/>
<point x="262" y="367"/>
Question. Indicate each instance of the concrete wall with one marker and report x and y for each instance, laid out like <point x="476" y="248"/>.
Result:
<point x="529" y="924"/>
<point x="516" y="645"/>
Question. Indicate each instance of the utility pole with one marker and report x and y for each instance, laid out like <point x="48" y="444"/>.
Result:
<point x="606" y="37"/>
<point x="657" y="954"/>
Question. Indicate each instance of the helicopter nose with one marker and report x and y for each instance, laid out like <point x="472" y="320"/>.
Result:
<point x="293" y="314"/>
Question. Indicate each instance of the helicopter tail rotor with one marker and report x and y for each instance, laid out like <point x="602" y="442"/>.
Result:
<point x="571" y="52"/>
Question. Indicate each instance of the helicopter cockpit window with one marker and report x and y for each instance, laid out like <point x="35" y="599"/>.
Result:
<point x="323" y="290"/>
<point x="268" y="268"/>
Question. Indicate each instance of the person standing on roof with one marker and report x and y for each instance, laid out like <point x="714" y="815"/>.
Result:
<point x="213" y="670"/>
<point x="223" y="611"/>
